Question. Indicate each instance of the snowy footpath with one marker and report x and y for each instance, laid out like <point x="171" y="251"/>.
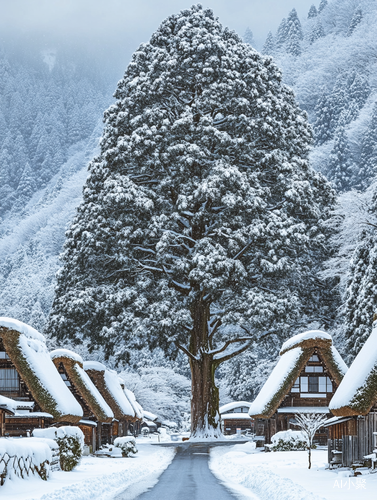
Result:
<point x="256" y="475"/>
<point x="95" y="478"/>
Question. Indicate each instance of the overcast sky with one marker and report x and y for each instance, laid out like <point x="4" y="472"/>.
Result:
<point x="121" y="25"/>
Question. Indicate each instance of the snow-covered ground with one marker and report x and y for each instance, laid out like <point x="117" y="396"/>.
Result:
<point x="285" y="475"/>
<point x="96" y="478"/>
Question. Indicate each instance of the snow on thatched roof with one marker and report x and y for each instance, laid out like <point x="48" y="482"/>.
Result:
<point x="233" y="405"/>
<point x="73" y="365"/>
<point x="150" y="416"/>
<point x="107" y="382"/>
<point x="8" y="405"/>
<point x="135" y="405"/>
<point x="357" y="392"/>
<point x="295" y="353"/>
<point x="28" y="352"/>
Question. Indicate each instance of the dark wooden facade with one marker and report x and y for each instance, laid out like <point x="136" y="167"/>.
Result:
<point x="354" y="436"/>
<point x="231" y="425"/>
<point x="313" y="388"/>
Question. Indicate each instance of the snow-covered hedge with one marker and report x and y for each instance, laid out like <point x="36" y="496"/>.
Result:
<point x="127" y="444"/>
<point x="70" y="441"/>
<point x="23" y="457"/>
<point x="287" y="441"/>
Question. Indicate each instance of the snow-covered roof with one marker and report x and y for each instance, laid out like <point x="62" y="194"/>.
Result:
<point x="107" y="382"/>
<point x="336" y="420"/>
<point x="235" y="416"/>
<point x="304" y="409"/>
<point x="32" y="414"/>
<point x="233" y="405"/>
<point x="28" y="352"/>
<point x="7" y="404"/>
<point x="73" y="365"/>
<point x="66" y="353"/>
<point x="294" y="355"/>
<point x="136" y="406"/>
<point x="357" y="392"/>
<point x="149" y="415"/>
<point x="301" y="339"/>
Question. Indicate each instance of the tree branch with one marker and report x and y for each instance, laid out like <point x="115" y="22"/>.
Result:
<point x="186" y="351"/>
<point x="232" y="354"/>
<point x="233" y="341"/>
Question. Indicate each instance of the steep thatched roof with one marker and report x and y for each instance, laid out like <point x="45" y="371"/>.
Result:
<point x="295" y="353"/>
<point x="73" y="365"/>
<point x="107" y="382"/>
<point x="357" y="392"/>
<point x="27" y="350"/>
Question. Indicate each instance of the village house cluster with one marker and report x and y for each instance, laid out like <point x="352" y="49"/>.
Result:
<point x="39" y="389"/>
<point x="312" y="378"/>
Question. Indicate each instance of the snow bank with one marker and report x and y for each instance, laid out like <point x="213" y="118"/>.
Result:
<point x="357" y="391"/>
<point x="275" y="382"/>
<point x="296" y="340"/>
<point x="60" y="432"/>
<point x="288" y="435"/>
<point x="97" y="478"/>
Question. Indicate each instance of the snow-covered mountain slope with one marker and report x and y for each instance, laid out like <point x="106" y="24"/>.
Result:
<point x="329" y="59"/>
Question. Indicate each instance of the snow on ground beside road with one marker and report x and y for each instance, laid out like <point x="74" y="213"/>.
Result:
<point x="95" y="478"/>
<point x="285" y="475"/>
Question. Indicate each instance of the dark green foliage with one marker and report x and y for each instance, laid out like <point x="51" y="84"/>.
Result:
<point x="70" y="449"/>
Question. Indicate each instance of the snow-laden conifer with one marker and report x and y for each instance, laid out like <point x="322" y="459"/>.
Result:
<point x="201" y="218"/>
<point x="312" y="12"/>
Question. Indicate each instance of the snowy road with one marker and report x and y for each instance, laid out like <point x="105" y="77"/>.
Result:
<point x="187" y="478"/>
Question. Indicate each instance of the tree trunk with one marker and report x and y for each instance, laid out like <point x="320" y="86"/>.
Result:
<point x="205" y="417"/>
<point x="310" y="457"/>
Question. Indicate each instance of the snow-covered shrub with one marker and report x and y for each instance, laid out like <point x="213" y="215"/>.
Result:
<point x="70" y="441"/>
<point x="127" y="444"/>
<point x="287" y="441"/>
<point x="23" y="457"/>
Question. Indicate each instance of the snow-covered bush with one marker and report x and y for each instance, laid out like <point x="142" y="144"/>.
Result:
<point x="127" y="444"/>
<point x="70" y="441"/>
<point x="23" y="457"/>
<point x="287" y="441"/>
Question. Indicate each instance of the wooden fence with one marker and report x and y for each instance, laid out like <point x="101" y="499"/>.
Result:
<point x="24" y="467"/>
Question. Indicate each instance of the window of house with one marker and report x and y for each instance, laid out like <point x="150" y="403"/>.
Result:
<point x="296" y="386"/>
<point x="314" y="358"/>
<point x="313" y="384"/>
<point x="328" y="385"/>
<point x="304" y="384"/>
<point x="65" y="378"/>
<point x="314" y="369"/>
<point x="3" y="355"/>
<point x="9" y="380"/>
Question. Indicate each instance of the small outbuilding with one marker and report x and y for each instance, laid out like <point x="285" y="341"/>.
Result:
<point x="235" y="418"/>
<point x="303" y="381"/>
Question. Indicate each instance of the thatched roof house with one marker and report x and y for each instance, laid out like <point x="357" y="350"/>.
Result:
<point x="357" y="393"/>
<point x="71" y="364"/>
<point x="27" y="352"/>
<point x="107" y="382"/>
<point x="294" y="356"/>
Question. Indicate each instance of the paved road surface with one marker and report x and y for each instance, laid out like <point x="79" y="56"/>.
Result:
<point x="187" y="478"/>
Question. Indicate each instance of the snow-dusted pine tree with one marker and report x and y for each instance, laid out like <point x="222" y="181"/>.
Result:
<point x="355" y="21"/>
<point x="340" y="170"/>
<point x="312" y="12"/>
<point x="294" y="33"/>
<point x="322" y="5"/>
<point x="368" y="155"/>
<point x="316" y="32"/>
<point x="269" y="44"/>
<point x="248" y="37"/>
<point x="201" y="218"/>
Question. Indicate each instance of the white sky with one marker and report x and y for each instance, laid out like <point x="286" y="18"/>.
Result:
<point x="121" y="25"/>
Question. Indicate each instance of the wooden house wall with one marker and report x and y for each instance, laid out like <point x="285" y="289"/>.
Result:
<point x="230" y="426"/>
